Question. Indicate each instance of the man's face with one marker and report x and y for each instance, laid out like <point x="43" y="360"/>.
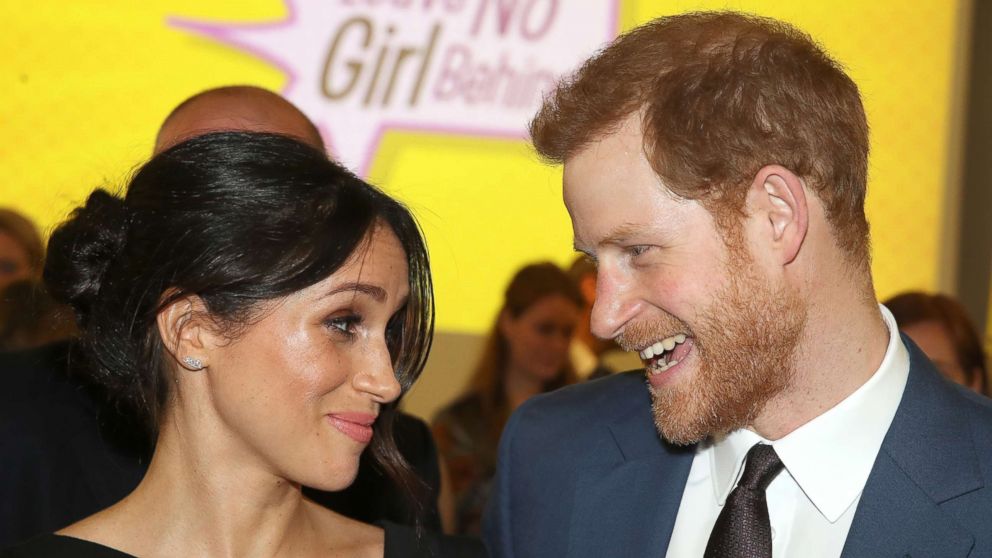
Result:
<point x="715" y="331"/>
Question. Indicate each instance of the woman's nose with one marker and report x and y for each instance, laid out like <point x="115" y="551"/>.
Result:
<point x="377" y="378"/>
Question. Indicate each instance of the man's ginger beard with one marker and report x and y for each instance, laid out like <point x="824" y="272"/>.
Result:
<point x="744" y="354"/>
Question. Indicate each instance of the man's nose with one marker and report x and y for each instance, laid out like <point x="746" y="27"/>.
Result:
<point x="615" y="304"/>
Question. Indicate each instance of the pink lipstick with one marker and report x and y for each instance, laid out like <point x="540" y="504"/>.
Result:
<point x="357" y="426"/>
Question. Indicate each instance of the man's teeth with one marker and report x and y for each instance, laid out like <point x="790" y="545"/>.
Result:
<point x="662" y="366"/>
<point x="660" y="347"/>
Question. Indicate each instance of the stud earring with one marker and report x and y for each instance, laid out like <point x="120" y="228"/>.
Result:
<point x="193" y="363"/>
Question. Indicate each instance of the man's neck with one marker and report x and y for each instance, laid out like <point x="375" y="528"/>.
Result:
<point x="842" y="347"/>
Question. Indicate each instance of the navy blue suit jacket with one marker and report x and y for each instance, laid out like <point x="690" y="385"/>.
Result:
<point x="583" y="474"/>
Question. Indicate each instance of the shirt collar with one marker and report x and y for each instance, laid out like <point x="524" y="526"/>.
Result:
<point x="831" y="456"/>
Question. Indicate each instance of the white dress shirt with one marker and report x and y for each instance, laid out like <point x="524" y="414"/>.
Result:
<point x="811" y="503"/>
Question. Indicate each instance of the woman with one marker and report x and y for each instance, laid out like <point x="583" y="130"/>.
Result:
<point x="526" y="354"/>
<point x="21" y="249"/>
<point x="939" y="325"/>
<point x="30" y="318"/>
<point x="262" y="308"/>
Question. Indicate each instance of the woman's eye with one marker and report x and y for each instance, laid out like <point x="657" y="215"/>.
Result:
<point x="343" y="324"/>
<point x="545" y="329"/>
<point x="394" y="333"/>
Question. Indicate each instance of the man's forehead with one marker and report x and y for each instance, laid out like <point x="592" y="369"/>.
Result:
<point x="620" y="214"/>
<point x="623" y="141"/>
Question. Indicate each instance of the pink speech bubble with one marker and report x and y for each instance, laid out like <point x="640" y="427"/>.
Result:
<point x="469" y="67"/>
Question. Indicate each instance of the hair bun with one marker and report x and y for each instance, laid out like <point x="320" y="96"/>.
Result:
<point x="81" y="249"/>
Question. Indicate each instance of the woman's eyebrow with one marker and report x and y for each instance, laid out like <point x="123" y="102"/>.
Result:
<point x="374" y="291"/>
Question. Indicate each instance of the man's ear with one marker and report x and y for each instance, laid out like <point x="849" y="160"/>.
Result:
<point x="184" y="330"/>
<point x="778" y="196"/>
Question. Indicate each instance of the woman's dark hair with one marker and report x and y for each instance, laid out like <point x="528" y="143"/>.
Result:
<point x="235" y="218"/>
<point x="915" y="307"/>
<point x="529" y="285"/>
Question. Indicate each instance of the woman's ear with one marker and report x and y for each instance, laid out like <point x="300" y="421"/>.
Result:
<point x="185" y="331"/>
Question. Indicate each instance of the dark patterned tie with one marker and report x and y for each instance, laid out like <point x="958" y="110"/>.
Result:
<point x="742" y="530"/>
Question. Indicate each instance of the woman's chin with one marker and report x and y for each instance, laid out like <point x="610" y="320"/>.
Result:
<point x="546" y="375"/>
<point x="332" y="481"/>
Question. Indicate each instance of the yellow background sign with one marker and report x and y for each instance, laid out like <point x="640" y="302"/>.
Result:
<point x="86" y="84"/>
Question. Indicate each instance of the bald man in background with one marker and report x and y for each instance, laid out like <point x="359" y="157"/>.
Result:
<point x="236" y="108"/>
<point x="69" y="452"/>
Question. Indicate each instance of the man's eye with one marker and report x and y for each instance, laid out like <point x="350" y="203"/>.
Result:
<point x="638" y="249"/>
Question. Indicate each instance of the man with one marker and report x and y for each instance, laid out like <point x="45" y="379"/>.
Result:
<point x="236" y="107"/>
<point x="715" y="168"/>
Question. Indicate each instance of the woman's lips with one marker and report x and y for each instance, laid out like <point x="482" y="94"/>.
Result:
<point x="357" y="426"/>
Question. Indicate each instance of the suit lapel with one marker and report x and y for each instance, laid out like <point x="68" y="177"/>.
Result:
<point x="927" y="458"/>
<point x="896" y="518"/>
<point x="630" y="506"/>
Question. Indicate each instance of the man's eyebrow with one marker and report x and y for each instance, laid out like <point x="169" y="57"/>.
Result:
<point x="622" y="233"/>
<point x="619" y="235"/>
<point x="374" y="291"/>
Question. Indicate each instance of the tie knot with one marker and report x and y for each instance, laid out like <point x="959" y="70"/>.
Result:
<point x="760" y="467"/>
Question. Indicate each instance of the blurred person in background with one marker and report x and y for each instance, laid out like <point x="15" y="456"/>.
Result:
<point x="594" y="357"/>
<point x="22" y="252"/>
<point x="30" y="317"/>
<point x="236" y="107"/>
<point x="587" y="350"/>
<point x="525" y="354"/>
<point x="939" y="325"/>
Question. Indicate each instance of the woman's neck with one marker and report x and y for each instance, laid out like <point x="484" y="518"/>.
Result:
<point x="205" y="495"/>
<point x="520" y="387"/>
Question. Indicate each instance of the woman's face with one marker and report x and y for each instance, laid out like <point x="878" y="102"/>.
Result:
<point x="301" y="388"/>
<point x="935" y="342"/>
<point x="538" y="338"/>
<point x="14" y="264"/>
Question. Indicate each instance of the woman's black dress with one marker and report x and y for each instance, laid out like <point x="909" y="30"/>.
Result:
<point x="401" y="542"/>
